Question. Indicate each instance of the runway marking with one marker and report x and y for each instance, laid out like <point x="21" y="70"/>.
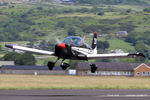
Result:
<point x="104" y="96"/>
<point x="125" y="96"/>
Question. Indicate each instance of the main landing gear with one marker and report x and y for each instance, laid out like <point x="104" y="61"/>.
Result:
<point x="63" y="65"/>
<point x="93" y="68"/>
<point x="51" y="65"/>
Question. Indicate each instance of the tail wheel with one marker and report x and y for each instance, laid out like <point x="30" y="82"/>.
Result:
<point x="93" y="68"/>
<point x="50" y="65"/>
<point x="64" y="66"/>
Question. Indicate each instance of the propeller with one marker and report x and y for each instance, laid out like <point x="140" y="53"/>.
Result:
<point x="58" y="41"/>
<point x="60" y="44"/>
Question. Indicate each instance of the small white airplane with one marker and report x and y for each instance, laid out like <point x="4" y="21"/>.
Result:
<point x="74" y="48"/>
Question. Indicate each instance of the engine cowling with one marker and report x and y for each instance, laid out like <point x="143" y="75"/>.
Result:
<point x="63" y="51"/>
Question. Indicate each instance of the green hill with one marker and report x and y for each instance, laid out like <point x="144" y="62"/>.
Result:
<point x="113" y="2"/>
<point x="47" y="21"/>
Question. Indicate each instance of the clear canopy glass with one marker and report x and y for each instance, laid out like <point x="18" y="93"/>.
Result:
<point x="76" y="41"/>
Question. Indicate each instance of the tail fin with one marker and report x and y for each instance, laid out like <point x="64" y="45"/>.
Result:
<point x="94" y="43"/>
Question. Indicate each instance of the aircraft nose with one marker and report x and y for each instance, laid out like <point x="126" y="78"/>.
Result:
<point x="61" y="45"/>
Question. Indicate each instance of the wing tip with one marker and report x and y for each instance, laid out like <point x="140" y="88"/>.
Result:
<point x="141" y="55"/>
<point x="9" y="45"/>
<point x="137" y="54"/>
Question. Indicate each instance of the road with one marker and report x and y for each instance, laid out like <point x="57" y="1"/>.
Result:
<point x="75" y="94"/>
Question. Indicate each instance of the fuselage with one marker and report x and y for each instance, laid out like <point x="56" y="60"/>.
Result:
<point x="75" y="48"/>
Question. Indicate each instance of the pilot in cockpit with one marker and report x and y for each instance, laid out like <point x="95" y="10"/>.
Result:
<point x="75" y="41"/>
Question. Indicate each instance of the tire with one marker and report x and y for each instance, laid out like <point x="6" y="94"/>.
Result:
<point x="50" y="65"/>
<point x="93" y="68"/>
<point x="64" y="66"/>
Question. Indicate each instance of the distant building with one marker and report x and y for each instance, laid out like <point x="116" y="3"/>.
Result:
<point x="121" y="33"/>
<point x="6" y="63"/>
<point x="72" y="72"/>
<point x="66" y="1"/>
<point x="38" y="70"/>
<point x="114" y="69"/>
<point x="101" y="35"/>
<point x="63" y="1"/>
<point x="57" y="1"/>
<point x="117" y="51"/>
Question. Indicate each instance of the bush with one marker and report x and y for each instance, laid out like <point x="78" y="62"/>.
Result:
<point x="20" y="59"/>
<point x="101" y="13"/>
<point x="146" y="10"/>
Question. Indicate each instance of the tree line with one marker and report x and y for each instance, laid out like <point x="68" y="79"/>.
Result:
<point x="111" y="2"/>
<point x="20" y="59"/>
<point x="141" y="42"/>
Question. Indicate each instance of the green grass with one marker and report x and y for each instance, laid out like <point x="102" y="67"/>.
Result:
<point x="46" y="22"/>
<point x="120" y="44"/>
<point x="108" y="15"/>
<point x="71" y="82"/>
<point x="133" y="7"/>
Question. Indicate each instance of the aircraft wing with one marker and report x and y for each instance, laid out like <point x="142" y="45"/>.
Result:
<point x="37" y="51"/>
<point x="115" y="55"/>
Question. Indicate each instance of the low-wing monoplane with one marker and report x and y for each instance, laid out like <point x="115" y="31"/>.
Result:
<point x="74" y="48"/>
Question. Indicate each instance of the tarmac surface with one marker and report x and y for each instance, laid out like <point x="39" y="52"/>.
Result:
<point x="75" y="94"/>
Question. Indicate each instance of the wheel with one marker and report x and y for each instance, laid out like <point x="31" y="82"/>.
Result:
<point x="50" y="65"/>
<point x="93" y="68"/>
<point x="64" y="66"/>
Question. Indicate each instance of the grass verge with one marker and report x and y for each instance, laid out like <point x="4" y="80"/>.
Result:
<point x="28" y="82"/>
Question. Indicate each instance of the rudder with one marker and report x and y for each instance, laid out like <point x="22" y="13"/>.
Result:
<point x="94" y="41"/>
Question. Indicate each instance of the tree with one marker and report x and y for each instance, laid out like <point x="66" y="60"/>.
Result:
<point x="60" y="24"/>
<point x="129" y="26"/>
<point x="102" y="45"/>
<point x="40" y="8"/>
<point x="101" y="13"/>
<point x="82" y="10"/>
<point x="12" y="56"/>
<point x="94" y="9"/>
<point x="128" y="10"/>
<point x="30" y="44"/>
<point x="20" y="59"/>
<point x="71" y="31"/>
<point x="4" y="4"/>
<point x="143" y="48"/>
<point x="0" y="47"/>
<point x="90" y="28"/>
<point x="47" y="45"/>
<point x="131" y="38"/>
<point x="26" y="59"/>
<point x="146" y="37"/>
<point x="146" y="10"/>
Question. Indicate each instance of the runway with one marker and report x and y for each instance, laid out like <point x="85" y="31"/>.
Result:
<point x="75" y="94"/>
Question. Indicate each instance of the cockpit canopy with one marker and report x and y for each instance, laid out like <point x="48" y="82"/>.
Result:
<point x="76" y="41"/>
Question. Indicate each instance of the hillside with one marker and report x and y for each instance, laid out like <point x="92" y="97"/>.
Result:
<point x="40" y="21"/>
<point x="114" y="2"/>
<point x="31" y="21"/>
<point x="91" y="2"/>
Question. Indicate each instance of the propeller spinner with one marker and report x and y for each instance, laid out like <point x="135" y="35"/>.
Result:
<point x="61" y="45"/>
